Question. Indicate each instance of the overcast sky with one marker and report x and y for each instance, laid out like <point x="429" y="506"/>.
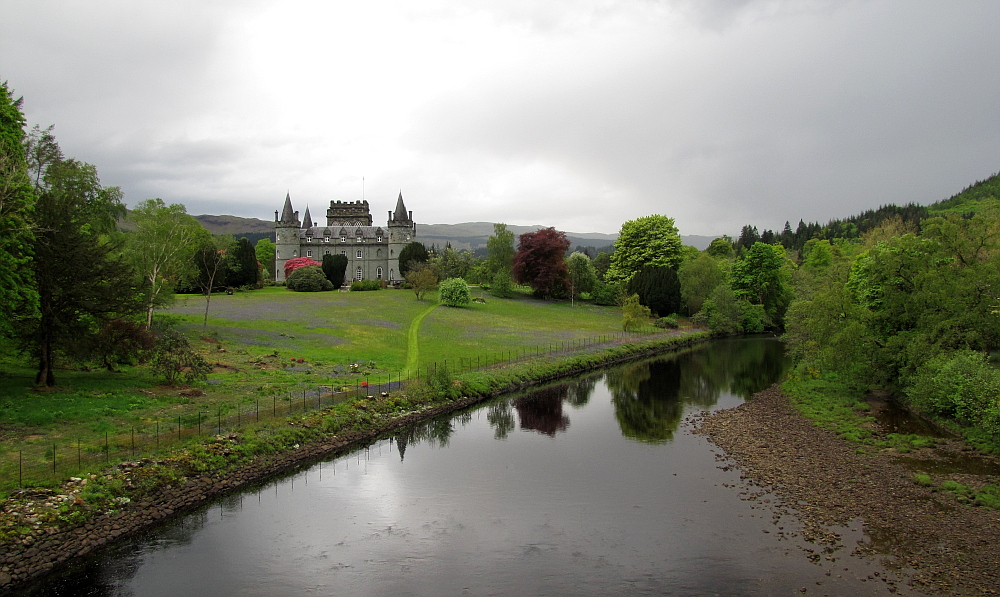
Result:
<point x="578" y="114"/>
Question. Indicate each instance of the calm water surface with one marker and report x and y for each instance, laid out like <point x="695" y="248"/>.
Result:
<point x="594" y="487"/>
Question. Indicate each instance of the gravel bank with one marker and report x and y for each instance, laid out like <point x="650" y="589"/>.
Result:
<point x="942" y="546"/>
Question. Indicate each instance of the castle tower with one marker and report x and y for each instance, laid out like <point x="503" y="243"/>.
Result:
<point x="402" y="231"/>
<point x="286" y="236"/>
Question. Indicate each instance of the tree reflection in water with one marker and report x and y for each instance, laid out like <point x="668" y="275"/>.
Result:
<point x="541" y="411"/>
<point x="435" y="432"/>
<point x="650" y="397"/>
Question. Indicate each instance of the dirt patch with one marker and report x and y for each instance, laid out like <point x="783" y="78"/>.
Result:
<point x="944" y="547"/>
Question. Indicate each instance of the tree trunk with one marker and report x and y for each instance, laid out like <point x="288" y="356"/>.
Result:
<point x="45" y="375"/>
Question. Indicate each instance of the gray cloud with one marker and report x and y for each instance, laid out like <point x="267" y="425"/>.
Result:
<point x="574" y="114"/>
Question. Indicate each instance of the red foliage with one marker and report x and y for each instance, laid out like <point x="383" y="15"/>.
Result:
<point x="540" y="261"/>
<point x="293" y="264"/>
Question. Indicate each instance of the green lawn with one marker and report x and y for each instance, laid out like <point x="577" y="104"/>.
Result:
<point x="256" y="339"/>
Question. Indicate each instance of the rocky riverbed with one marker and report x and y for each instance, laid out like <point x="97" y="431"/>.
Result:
<point x="942" y="546"/>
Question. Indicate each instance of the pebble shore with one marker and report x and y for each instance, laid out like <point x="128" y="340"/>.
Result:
<point x="941" y="546"/>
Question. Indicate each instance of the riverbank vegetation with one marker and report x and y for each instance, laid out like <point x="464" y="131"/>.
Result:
<point x="908" y="303"/>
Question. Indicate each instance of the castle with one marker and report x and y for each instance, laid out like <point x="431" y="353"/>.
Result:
<point x="372" y="251"/>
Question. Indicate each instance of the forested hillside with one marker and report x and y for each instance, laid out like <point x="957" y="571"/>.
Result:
<point x="906" y="299"/>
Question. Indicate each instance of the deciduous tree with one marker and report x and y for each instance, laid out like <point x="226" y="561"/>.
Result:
<point x="161" y="248"/>
<point x="650" y="240"/>
<point x="582" y="276"/>
<point x="500" y="249"/>
<point x="266" y="256"/>
<point x="210" y="259"/>
<point x="759" y="278"/>
<point x="540" y="261"/>
<point x="698" y="279"/>
<point x="421" y="279"/>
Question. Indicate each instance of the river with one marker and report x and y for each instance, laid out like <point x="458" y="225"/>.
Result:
<point x="592" y="487"/>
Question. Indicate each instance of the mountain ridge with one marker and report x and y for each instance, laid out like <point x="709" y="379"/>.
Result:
<point x="464" y="235"/>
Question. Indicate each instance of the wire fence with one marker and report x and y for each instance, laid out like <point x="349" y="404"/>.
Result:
<point x="43" y="462"/>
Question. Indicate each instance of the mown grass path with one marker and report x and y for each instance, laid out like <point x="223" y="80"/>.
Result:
<point x="413" y="340"/>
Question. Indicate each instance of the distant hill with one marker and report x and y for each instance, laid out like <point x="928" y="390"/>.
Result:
<point x="468" y="235"/>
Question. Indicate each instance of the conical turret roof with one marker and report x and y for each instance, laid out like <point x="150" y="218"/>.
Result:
<point x="400" y="214"/>
<point x="287" y="215"/>
<point x="308" y="221"/>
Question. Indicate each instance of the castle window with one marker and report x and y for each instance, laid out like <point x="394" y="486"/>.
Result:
<point x="326" y="239"/>
<point x="342" y="252"/>
<point x="378" y="239"/>
<point x="378" y="253"/>
<point x="357" y="273"/>
<point x="327" y="252"/>
<point x="359" y="253"/>
<point x="343" y="239"/>
<point x="378" y="273"/>
<point x="295" y="253"/>
<point x="309" y="253"/>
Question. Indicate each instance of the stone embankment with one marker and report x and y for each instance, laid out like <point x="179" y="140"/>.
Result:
<point x="943" y="546"/>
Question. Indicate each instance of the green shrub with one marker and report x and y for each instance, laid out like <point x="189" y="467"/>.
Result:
<point x="606" y="293"/>
<point x="308" y="279"/>
<point x="634" y="314"/>
<point x="454" y="292"/>
<point x="174" y="359"/>
<point x="363" y="285"/>
<point x="668" y="322"/>
<point x="960" y="385"/>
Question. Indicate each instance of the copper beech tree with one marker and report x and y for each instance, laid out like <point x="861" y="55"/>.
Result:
<point x="540" y="261"/>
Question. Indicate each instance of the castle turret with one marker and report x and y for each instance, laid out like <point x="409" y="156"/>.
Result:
<point x="402" y="231"/>
<point x="286" y="236"/>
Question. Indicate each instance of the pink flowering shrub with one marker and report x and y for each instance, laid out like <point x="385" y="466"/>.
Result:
<point x="293" y="264"/>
